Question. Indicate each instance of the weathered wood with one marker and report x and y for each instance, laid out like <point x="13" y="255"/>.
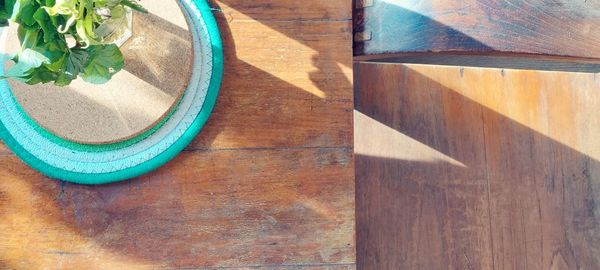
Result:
<point x="3" y="149"/>
<point x="267" y="11"/>
<point x="205" y="209"/>
<point x="471" y="168"/>
<point x="291" y="79"/>
<point x="422" y="209"/>
<point x="496" y="61"/>
<point x="268" y="184"/>
<point x="537" y="27"/>
<point x="282" y="64"/>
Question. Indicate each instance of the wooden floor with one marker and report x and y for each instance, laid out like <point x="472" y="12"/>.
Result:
<point x="269" y="184"/>
<point x="473" y="168"/>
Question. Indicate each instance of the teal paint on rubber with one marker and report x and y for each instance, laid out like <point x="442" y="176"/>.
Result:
<point x="173" y="150"/>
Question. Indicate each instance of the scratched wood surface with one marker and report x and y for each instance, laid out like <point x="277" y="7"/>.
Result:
<point x="269" y="184"/>
<point x="476" y="168"/>
<point x="539" y="27"/>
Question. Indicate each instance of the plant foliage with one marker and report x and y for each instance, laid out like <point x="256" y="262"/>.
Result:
<point x="45" y="26"/>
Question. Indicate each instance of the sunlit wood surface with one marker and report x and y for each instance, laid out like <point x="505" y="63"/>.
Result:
<point x="476" y="168"/>
<point x="269" y="184"/>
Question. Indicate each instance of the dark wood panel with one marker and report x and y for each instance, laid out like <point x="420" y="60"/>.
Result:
<point x="471" y="168"/>
<point x="559" y="28"/>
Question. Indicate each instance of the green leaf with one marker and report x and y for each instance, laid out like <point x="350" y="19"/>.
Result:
<point x="33" y="58"/>
<point x="43" y="19"/>
<point x="64" y="79"/>
<point x="133" y="4"/>
<point x="41" y="75"/>
<point x="85" y="31"/>
<point x="26" y="9"/>
<point x="73" y="65"/>
<point x="104" y="61"/>
<point x="6" y="9"/>
<point x="18" y="71"/>
<point x="27" y="37"/>
<point x="63" y="7"/>
<point x="27" y="62"/>
<point x="56" y="51"/>
<point x="45" y="55"/>
<point x="76" y="61"/>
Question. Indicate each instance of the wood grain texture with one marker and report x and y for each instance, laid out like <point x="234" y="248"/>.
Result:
<point x="502" y="170"/>
<point x="537" y="27"/>
<point x="3" y="149"/>
<point x="274" y="208"/>
<point x="268" y="184"/>
<point x="268" y="10"/>
<point x="284" y="68"/>
<point x="297" y="85"/>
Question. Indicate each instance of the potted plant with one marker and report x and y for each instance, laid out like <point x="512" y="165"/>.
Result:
<point x="48" y="56"/>
<point x="65" y="39"/>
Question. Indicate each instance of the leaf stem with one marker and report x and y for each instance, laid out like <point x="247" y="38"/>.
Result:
<point x="25" y="40"/>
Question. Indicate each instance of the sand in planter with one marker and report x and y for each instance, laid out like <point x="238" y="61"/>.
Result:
<point x="158" y="63"/>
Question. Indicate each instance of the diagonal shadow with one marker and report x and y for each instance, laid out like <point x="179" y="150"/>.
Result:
<point x="524" y="200"/>
<point x="157" y="48"/>
<point x="303" y="27"/>
<point x="407" y="30"/>
<point x="115" y="217"/>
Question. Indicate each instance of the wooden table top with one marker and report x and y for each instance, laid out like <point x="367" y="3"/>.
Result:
<point x="269" y="183"/>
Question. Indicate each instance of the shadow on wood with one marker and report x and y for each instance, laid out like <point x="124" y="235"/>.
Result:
<point x="495" y="61"/>
<point x="508" y="176"/>
<point x="268" y="183"/>
<point x="538" y="27"/>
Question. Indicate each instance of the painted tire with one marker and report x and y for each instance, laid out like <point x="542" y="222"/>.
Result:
<point x="101" y="164"/>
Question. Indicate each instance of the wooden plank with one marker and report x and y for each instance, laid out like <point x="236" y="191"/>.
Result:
<point x="556" y="28"/>
<point x="501" y="171"/>
<point x="418" y="206"/>
<point x="286" y="87"/>
<point x="545" y="190"/>
<point x="285" y="10"/>
<point x="497" y="61"/>
<point x="205" y="209"/>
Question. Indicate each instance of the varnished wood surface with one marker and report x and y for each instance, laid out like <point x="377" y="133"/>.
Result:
<point x="537" y="27"/>
<point x="268" y="184"/>
<point x="476" y="168"/>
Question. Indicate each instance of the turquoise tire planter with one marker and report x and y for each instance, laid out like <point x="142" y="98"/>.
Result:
<point x="102" y="164"/>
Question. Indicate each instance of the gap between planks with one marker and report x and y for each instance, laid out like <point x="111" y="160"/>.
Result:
<point x="283" y="266"/>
